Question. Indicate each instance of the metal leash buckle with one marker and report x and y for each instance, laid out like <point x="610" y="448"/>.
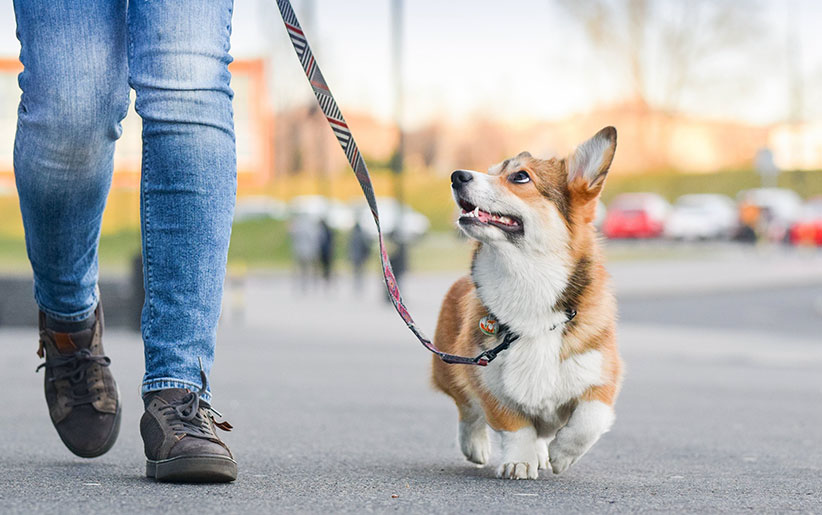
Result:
<point x="489" y="355"/>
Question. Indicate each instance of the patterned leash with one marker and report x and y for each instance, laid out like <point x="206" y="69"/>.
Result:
<point x="352" y="153"/>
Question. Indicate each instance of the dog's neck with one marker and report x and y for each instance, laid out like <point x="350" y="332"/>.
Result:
<point x="521" y="289"/>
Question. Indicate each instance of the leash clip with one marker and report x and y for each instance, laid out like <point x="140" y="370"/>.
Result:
<point x="489" y="355"/>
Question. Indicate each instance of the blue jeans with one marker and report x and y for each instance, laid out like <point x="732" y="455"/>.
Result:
<point x="80" y="59"/>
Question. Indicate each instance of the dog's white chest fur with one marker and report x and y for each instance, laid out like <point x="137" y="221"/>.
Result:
<point x="530" y="376"/>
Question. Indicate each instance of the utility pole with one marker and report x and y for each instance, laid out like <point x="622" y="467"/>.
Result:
<point x="397" y="164"/>
<point x="317" y="130"/>
<point x="794" y="75"/>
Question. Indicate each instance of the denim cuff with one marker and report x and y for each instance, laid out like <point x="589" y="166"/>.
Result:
<point x="71" y="317"/>
<point x="165" y="383"/>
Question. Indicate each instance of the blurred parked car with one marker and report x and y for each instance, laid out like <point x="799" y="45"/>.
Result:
<point x="776" y="209"/>
<point x="336" y="214"/>
<point x="259" y="207"/>
<point x="636" y="215"/>
<point x="807" y="229"/>
<point x="414" y="223"/>
<point x="702" y="217"/>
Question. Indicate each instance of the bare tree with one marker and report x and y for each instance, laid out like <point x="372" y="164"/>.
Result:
<point x="665" y="46"/>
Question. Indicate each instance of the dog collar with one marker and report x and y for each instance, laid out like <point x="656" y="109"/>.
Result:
<point x="490" y="326"/>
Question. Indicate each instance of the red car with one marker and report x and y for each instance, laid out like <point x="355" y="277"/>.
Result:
<point x="807" y="229"/>
<point x="636" y="215"/>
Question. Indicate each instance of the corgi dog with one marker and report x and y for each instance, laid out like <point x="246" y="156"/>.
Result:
<point x="538" y="279"/>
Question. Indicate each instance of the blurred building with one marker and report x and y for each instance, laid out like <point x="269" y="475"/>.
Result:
<point x="797" y="146"/>
<point x="298" y="140"/>
<point x="649" y="141"/>
<point x="253" y="120"/>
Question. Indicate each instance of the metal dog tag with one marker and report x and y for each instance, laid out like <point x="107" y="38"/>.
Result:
<point x="488" y="326"/>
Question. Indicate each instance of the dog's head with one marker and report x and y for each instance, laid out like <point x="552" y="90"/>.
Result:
<point x="534" y="203"/>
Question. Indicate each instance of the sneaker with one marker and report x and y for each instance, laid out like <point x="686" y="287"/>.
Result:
<point x="82" y="396"/>
<point x="178" y="430"/>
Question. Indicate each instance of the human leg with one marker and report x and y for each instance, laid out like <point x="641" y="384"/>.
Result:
<point x="178" y="67"/>
<point x="75" y="93"/>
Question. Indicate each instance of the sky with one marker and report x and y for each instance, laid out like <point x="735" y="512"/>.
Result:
<point x="519" y="60"/>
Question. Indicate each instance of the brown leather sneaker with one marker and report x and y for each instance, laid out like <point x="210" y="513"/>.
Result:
<point x="82" y="396"/>
<point x="178" y="430"/>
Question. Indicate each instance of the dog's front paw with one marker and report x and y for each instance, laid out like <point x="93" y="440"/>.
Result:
<point x="477" y="450"/>
<point x="517" y="470"/>
<point x="561" y="459"/>
<point x="474" y="443"/>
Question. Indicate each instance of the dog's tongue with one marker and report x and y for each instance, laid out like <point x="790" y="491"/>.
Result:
<point x="482" y="216"/>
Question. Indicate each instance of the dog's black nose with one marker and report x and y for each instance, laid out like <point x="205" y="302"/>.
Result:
<point x="460" y="177"/>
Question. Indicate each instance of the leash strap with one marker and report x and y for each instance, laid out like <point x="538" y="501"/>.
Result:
<point x="352" y="153"/>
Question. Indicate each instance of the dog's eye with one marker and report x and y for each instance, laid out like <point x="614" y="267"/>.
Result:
<point x="520" y="177"/>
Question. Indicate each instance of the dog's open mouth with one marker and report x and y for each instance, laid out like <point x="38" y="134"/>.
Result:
<point x="472" y="214"/>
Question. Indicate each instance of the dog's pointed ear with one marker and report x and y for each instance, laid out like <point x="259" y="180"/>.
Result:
<point x="589" y="164"/>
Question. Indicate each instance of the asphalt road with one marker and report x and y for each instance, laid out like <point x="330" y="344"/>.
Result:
<point x="329" y="395"/>
<point x="794" y="311"/>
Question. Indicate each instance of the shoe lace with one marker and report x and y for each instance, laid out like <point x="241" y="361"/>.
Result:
<point x="74" y="368"/>
<point x="193" y="416"/>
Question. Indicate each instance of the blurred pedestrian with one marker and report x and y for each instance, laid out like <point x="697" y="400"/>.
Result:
<point x="80" y="60"/>
<point x="359" y="250"/>
<point x="326" y="251"/>
<point x="749" y="215"/>
<point x="305" y="235"/>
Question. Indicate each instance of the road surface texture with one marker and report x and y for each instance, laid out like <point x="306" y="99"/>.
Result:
<point x="721" y="410"/>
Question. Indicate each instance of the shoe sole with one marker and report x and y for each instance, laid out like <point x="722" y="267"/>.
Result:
<point x="107" y="445"/>
<point x="193" y="469"/>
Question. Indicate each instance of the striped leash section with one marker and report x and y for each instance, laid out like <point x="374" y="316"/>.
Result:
<point x="352" y="153"/>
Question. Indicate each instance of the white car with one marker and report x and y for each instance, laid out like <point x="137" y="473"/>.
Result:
<point x="259" y="207"/>
<point x="413" y="225"/>
<point x="702" y="217"/>
<point x="335" y="213"/>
